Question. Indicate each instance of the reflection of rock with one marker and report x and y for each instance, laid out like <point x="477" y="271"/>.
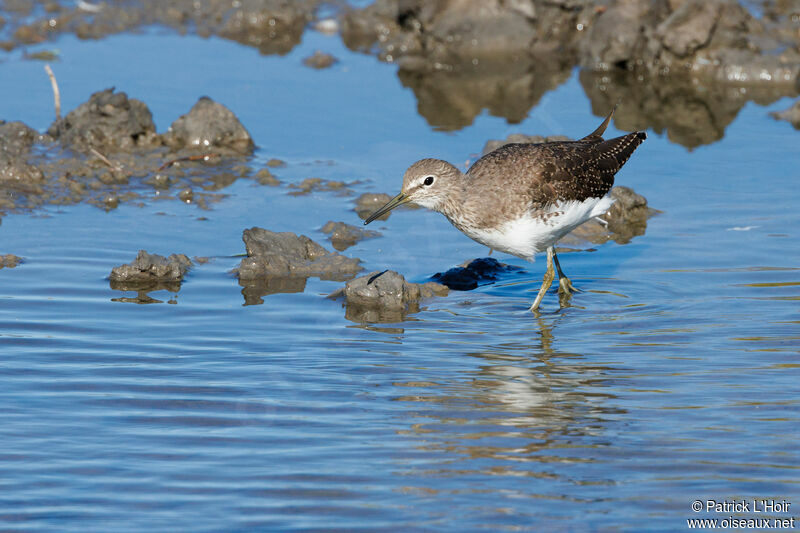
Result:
<point x="687" y="71"/>
<point x="460" y="57"/>
<point x="148" y="268"/>
<point x="476" y="272"/>
<point x="451" y="99"/>
<point x="109" y="121"/>
<point x="385" y="297"/>
<point x="281" y="262"/>
<point x="344" y="236"/>
<point x="792" y="115"/>
<point x="254" y="290"/>
<point x="9" y="260"/>
<point x="209" y="125"/>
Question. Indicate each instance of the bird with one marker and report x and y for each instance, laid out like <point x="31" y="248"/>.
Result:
<point x="523" y="197"/>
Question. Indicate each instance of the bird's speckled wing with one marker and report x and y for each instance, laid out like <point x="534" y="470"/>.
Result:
<point x="547" y="173"/>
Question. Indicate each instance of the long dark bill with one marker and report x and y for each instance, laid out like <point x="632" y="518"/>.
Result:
<point x="400" y="199"/>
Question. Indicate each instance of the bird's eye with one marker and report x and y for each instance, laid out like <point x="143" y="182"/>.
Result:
<point x="428" y="180"/>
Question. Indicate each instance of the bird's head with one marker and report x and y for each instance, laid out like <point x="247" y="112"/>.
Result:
<point x="428" y="182"/>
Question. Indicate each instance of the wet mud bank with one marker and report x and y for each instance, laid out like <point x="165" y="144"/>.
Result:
<point x="107" y="151"/>
<point x="684" y="67"/>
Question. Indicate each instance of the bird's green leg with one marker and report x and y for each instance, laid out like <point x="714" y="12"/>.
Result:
<point x="564" y="284"/>
<point x="549" y="275"/>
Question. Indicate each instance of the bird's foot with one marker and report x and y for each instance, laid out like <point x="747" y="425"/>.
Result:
<point x="565" y="286"/>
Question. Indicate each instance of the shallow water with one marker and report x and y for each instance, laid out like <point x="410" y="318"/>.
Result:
<point x="672" y="377"/>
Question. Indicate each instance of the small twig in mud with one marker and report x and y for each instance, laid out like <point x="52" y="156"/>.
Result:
<point x="56" y="93"/>
<point x="105" y="160"/>
<point x="200" y="157"/>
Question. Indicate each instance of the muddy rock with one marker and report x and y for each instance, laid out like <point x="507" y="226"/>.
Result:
<point x="714" y="40"/>
<point x="309" y="185"/>
<point x="265" y="177"/>
<point x="385" y="296"/>
<point x="148" y="268"/>
<point x="273" y="26"/>
<point x="791" y="115"/>
<point x="626" y="219"/>
<point x="320" y="60"/>
<point x="209" y="126"/>
<point x="16" y="138"/>
<point x="460" y="57"/>
<point x="17" y="176"/>
<point x="369" y="202"/>
<point x="271" y="254"/>
<point x="473" y="274"/>
<point x="108" y="122"/>
<point x="343" y="236"/>
<point x="9" y="261"/>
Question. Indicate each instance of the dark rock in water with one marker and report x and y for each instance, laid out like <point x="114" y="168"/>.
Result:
<point x="152" y="267"/>
<point x="343" y="236"/>
<point x="626" y="219"/>
<point x="209" y="125"/>
<point x="108" y="122"/>
<point x="16" y="174"/>
<point x="792" y="115"/>
<point x="320" y="60"/>
<point x="16" y="138"/>
<point x="147" y="273"/>
<point x="385" y="296"/>
<point x="9" y="260"/>
<point x="369" y="202"/>
<point x="287" y="254"/>
<point x="309" y="185"/>
<point x="476" y="272"/>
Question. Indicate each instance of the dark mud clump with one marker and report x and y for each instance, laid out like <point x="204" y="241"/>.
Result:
<point x="147" y="268"/>
<point x="626" y="219"/>
<point x="273" y="27"/>
<point x="685" y="67"/>
<point x="281" y="262"/>
<point x="475" y="273"/>
<point x="369" y="202"/>
<point x="385" y="297"/>
<point x="9" y="260"/>
<point x="17" y="176"/>
<point x="108" y="122"/>
<point x="792" y="115"/>
<point x="343" y="236"/>
<point x="320" y="60"/>
<point x="209" y="126"/>
<point x="148" y="273"/>
<point x="107" y="152"/>
<point x="309" y="185"/>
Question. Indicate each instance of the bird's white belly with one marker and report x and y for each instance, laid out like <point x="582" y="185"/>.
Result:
<point x="532" y="233"/>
